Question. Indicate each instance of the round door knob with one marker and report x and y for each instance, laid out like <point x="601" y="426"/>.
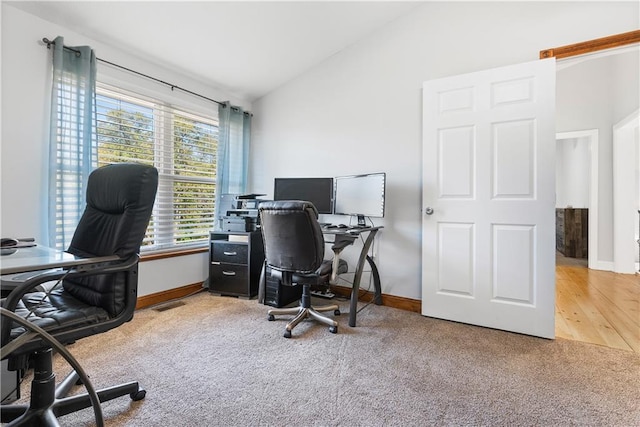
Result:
<point x="428" y="211"/>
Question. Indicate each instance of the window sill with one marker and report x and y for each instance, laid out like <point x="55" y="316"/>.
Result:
<point x="172" y="253"/>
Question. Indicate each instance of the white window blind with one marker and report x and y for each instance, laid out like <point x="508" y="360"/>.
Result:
<point x="180" y="144"/>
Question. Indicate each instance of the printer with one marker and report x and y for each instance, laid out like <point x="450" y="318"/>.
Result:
<point x="243" y="215"/>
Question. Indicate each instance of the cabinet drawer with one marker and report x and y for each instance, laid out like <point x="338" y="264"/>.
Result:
<point x="229" y="279"/>
<point x="229" y="252"/>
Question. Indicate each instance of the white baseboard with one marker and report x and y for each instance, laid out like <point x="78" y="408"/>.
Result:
<point x="602" y="265"/>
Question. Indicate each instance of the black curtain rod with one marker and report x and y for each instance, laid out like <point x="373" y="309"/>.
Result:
<point x="172" y="86"/>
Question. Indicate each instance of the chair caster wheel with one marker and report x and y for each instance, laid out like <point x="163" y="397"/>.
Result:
<point x="138" y="395"/>
<point x="333" y="329"/>
<point x="271" y="318"/>
<point x="336" y="312"/>
<point x="287" y="334"/>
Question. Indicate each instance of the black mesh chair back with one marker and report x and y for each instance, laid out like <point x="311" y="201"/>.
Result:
<point x="292" y="236"/>
<point x="294" y="249"/>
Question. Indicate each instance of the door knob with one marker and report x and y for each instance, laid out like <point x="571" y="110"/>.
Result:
<point x="428" y="211"/>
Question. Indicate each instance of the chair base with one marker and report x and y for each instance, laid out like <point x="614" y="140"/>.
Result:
<point x="304" y="311"/>
<point x="49" y="402"/>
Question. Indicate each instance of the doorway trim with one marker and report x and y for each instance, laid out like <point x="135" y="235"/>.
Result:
<point x="593" y="141"/>
<point x="623" y="248"/>
<point x="590" y="46"/>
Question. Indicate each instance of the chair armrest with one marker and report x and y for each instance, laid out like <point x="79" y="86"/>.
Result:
<point x="342" y="241"/>
<point x="23" y="287"/>
<point x="31" y="283"/>
<point x="9" y="282"/>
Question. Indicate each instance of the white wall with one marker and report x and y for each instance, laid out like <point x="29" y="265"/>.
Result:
<point x="360" y="111"/>
<point x="625" y="184"/>
<point x="625" y="79"/>
<point x="572" y="173"/>
<point x="637" y="179"/>
<point x="26" y="76"/>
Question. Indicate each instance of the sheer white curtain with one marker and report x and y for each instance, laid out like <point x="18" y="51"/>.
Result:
<point x="234" y="138"/>
<point x="72" y="142"/>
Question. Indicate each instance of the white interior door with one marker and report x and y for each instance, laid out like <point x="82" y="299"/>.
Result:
<point x="488" y="226"/>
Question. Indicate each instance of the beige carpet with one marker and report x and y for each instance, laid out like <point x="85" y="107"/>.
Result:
<point x="217" y="361"/>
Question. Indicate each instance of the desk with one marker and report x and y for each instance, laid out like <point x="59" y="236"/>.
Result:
<point x="346" y="237"/>
<point x="38" y="257"/>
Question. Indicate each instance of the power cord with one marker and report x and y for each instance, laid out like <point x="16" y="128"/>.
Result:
<point x="361" y="292"/>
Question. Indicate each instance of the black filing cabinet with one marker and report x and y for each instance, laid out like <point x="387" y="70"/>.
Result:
<point x="235" y="261"/>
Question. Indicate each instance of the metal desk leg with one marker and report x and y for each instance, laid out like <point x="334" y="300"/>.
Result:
<point x="377" y="299"/>
<point x="353" y="305"/>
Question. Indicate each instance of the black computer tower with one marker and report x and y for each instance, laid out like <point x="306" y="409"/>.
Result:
<point x="278" y="295"/>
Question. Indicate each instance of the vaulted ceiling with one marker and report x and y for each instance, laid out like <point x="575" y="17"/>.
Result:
<point x="246" y="48"/>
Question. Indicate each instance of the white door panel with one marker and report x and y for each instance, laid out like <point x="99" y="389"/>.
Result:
<point x="489" y="177"/>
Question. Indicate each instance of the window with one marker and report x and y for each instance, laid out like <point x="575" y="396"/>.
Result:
<point x="180" y="144"/>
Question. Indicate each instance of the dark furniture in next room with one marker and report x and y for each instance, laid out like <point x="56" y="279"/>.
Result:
<point x="294" y="251"/>
<point x="572" y="232"/>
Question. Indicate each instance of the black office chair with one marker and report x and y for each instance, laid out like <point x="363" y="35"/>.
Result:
<point x="294" y="250"/>
<point x="120" y="200"/>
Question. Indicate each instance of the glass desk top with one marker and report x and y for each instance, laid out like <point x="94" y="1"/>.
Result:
<point x="18" y="260"/>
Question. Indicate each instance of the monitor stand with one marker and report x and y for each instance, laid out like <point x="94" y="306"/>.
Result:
<point x="361" y="221"/>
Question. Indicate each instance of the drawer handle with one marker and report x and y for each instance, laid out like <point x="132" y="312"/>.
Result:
<point x="230" y="253"/>
<point x="229" y="273"/>
<point x="215" y="262"/>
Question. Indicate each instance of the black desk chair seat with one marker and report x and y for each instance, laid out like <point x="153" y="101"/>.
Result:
<point x="56" y="312"/>
<point x="120" y="200"/>
<point x="294" y="250"/>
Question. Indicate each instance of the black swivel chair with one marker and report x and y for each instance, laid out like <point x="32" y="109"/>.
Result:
<point x="120" y="200"/>
<point x="294" y="250"/>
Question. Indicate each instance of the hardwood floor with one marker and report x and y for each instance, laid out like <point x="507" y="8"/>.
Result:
<point x="598" y="307"/>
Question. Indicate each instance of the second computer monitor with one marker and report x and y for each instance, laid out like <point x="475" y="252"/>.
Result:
<point x="360" y="195"/>
<point x="318" y="191"/>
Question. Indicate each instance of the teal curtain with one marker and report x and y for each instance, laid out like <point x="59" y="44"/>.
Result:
<point x="72" y="142"/>
<point x="234" y="138"/>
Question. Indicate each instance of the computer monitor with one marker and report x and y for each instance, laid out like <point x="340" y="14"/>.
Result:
<point x="318" y="191"/>
<point x="360" y="195"/>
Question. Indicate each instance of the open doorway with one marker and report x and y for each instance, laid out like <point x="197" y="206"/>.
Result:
<point x="577" y="197"/>
<point x="597" y="93"/>
<point x="599" y="90"/>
